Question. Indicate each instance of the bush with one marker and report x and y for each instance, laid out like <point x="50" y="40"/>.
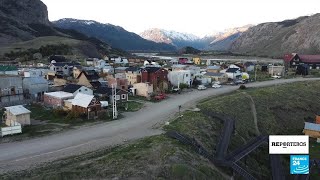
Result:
<point x="242" y="87"/>
<point x="183" y="86"/>
<point x="72" y="115"/>
<point x="60" y="112"/>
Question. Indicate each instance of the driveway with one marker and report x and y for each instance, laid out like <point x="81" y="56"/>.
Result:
<point x="29" y="153"/>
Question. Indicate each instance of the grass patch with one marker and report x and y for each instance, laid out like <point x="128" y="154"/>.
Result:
<point x="157" y="157"/>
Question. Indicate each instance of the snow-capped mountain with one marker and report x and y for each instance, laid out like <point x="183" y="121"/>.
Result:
<point x="177" y="39"/>
<point x="115" y="35"/>
<point x="220" y="41"/>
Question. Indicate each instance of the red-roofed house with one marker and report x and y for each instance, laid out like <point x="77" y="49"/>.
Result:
<point x="293" y="60"/>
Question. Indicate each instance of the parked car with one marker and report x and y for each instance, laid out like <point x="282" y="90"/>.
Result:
<point x="239" y="81"/>
<point x="217" y="82"/>
<point x="176" y="90"/>
<point x="201" y="87"/>
<point x="216" y="86"/>
<point x="276" y="77"/>
<point x="160" y="96"/>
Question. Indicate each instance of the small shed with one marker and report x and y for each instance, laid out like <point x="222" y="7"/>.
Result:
<point x="18" y="114"/>
<point x="312" y="129"/>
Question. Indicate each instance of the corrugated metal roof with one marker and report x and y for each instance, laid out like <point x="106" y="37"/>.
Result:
<point x="215" y="67"/>
<point x="82" y="100"/>
<point x="35" y="80"/>
<point x="17" y="110"/>
<point x="312" y="126"/>
<point x="60" y="94"/>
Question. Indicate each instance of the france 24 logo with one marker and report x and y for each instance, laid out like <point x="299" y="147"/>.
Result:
<point x="299" y="164"/>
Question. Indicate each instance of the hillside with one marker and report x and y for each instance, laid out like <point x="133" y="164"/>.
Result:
<point x="24" y="22"/>
<point x="116" y="36"/>
<point x="278" y="110"/>
<point x="189" y="50"/>
<point x="274" y="39"/>
<point x="223" y="40"/>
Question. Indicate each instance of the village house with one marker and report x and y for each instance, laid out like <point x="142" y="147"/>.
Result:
<point x="276" y="70"/>
<point x="89" y="79"/>
<point x="180" y="77"/>
<point x="33" y="72"/>
<point x="35" y="87"/>
<point x="156" y="76"/>
<point x="76" y="71"/>
<point x="312" y="130"/>
<point x="119" y="60"/>
<point x="8" y="70"/>
<point x="121" y="83"/>
<point x="233" y="73"/>
<point x="17" y="114"/>
<point x="143" y="89"/>
<point x="249" y="66"/>
<point x="214" y="69"/>
<point x="178" y="67"/>
<point x="133" y="75"/>
<point x="221" y="77"/>
<point x="63" y="68"/>
<point x="105" y="93"/>
<point x="56" y="99"/>
<point x="84" y="104"/>
<point x="184" y="60"/>
<point x="196" y="60"/>
<point x="75" y="89"/>
<point x="89" y="61"/>
<point x="11" y="90"/>
<point x="293" y="60"/>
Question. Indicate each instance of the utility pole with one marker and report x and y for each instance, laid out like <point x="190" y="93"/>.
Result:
<point x="114" y="102"/>
<point x="255" y="72"/>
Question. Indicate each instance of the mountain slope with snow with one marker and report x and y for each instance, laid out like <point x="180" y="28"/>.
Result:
<point x="174" y="38"/>
<point x="223" y="40"/>
<point x="114" y="35"/>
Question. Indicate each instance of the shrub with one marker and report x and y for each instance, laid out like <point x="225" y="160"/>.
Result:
<point x="242" y="87"/>
<point x="59" y="112"/>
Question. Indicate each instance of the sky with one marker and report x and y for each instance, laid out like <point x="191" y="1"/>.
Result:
<point x="198" y="17"/>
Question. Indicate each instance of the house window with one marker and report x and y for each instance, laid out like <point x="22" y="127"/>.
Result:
<point x="13" y="91"/>
<point x="86" y="90"/>
<point x="187" y="75"/>
<point x="79" y="90"/>
<point x="123" y="96"/>
<point x="118" y="97"/>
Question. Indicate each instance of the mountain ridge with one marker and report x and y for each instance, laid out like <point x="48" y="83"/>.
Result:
<point x="114" y="35"/>
<point x="274" y="39"/>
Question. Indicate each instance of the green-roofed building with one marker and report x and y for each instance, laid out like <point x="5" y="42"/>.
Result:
<point x="9" y="70"/>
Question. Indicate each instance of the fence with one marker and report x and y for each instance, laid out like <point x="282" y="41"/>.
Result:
<point x="11" y="130"/>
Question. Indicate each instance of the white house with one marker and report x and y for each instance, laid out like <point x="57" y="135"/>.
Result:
<point x="75" y="89"/>
<point x="119" y="60"/>
<point x="181" y="76"/>
<point x="234" y="73"/>
<point x="234" y="66"/>
<point x="100" y="64"/>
